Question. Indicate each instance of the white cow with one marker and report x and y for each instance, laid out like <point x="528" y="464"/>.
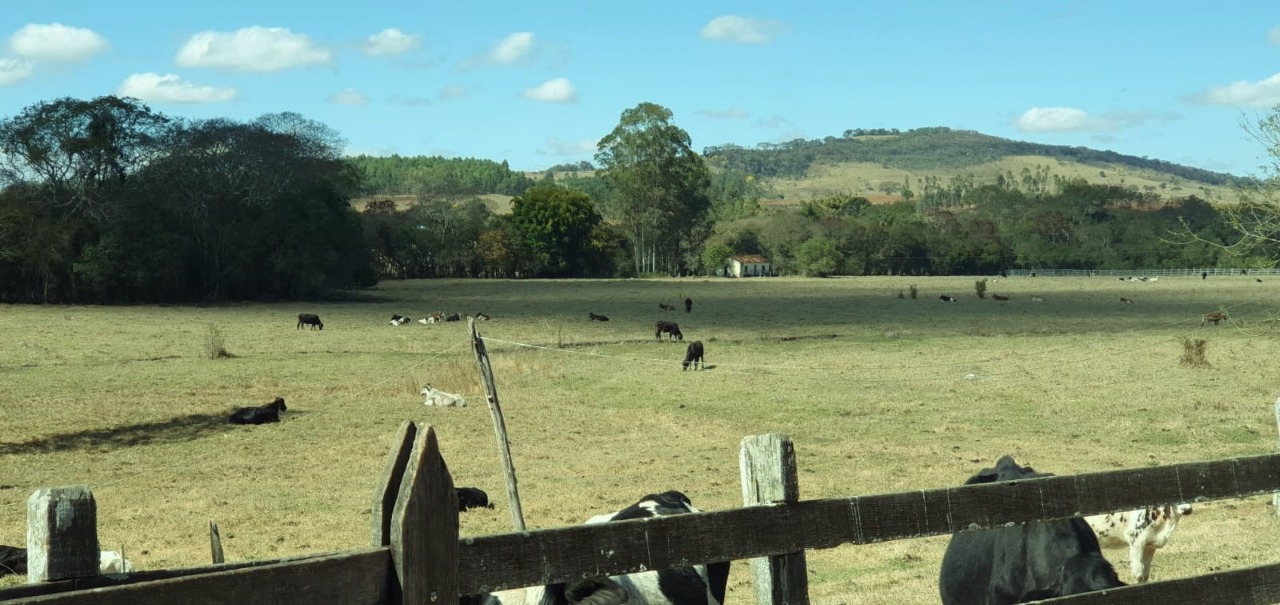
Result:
<point x="441" y="399"/>
<point x="1143" y="531"/>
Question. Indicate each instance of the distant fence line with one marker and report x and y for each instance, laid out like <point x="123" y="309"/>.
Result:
<point x="1140" y="272"/>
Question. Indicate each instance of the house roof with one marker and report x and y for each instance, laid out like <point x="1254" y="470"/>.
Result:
<point x="753" y="259"/>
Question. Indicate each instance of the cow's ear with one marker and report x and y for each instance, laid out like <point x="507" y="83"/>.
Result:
<point x="596" y="591"/>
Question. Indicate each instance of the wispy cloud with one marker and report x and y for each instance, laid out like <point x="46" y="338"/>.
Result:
<point x="742" y="30"/>
<point x="13" y="71"/>
<point x="348" y="96"/>
<point x="557" y="146"/>
<point x="56" y="42"/>
<point x="774" y="121"/>
<point x="517" y="48"/>
<point x="390" y="41"/>
<point x="1071" y="119"/>
<point x="452" y="92"/>
<point x="724" y="114"/>
<point x="256" y="49"/>
<point x="169" y="88"/>
<point x="409" y="101"/>
<point x="1261" y="94"/>
<point x="558" y="90"/>
<point x="1274" y="35"/>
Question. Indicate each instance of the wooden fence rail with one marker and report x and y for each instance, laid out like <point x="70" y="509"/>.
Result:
<point x="417" y="556"/>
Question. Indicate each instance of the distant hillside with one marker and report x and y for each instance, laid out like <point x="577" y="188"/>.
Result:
<point x="867" y="162"/>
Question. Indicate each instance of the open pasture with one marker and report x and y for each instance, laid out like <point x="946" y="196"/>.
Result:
<point x="879" y="393"/>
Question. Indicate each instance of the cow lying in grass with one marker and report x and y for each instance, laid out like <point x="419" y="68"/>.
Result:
<point x="13" y="560"/>
<point x="472" y="497"/>
<point x="1214" y="317"/>
<point x="594" y="317"/>
<point x="440" y="399"/>
<point x="261" y="414"/>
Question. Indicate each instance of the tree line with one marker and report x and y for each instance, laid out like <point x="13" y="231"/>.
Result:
<point x="107" y="201"/>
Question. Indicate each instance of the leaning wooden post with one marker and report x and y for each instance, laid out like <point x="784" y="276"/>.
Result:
<point x="388" y="488"/>
<point x="768" y="464"/>
<point x="499" y="425"/>
<point x="62" y="534"/>
<point x="424" y="528"/>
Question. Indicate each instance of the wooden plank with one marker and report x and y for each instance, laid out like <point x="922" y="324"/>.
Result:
<point x="215" y="544"/>
<point x="768" y="468"/>
<point x="488" y="563"/>
<point x="384" y="494"/>
<point x="424" y="528"/>
<point x="62" y="534"/>
<point x="1275" y="498"/>
<point x="499" y="426"/>
<point x="1249" y="586"/>
<point x="358" y="577"/>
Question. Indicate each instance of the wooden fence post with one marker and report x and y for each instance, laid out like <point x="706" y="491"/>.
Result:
<point x="388" y="488"/>
<point x="424" y="528"/>
<point x="62" y="534"/>
<point x="768" y="465"/>
<point x="499" y="425"/>
<point x="1275" y="498"/>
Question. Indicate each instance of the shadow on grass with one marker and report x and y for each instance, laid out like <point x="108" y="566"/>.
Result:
<point x="173" y="430"/>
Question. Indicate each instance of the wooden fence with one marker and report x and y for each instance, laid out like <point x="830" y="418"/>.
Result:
<point x="417" y="557"/>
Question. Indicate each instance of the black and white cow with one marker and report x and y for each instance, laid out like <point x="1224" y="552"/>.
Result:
<point x="260" y="414"/>
<point x="1022" y="563"/>
<point x="945" y="298"/>
<point x="693" y="356"/>
<point x="400" y="320"/>
<point x="310" y="319"/>
<point x="696" y="585"/>
<point x="667" y="327"/>
<point x="1142" y="531"/>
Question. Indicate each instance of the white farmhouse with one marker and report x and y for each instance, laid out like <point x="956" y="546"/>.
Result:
<point x="749" y="265"/>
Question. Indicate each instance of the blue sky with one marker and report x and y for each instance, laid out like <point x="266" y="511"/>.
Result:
<point x="538" y="83"/>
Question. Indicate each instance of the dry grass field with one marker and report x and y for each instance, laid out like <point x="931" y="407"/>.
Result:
<point x="880" y="394"/>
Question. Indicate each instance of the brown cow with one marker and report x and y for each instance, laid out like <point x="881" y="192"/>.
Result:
<point x="1214" y="317"/>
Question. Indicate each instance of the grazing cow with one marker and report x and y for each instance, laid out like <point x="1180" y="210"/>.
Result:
<point x="666" y="307"/>
<point x="695" y="585"/>
<point x="1127" y="301"/>
<point x="261" y="414"/>
<point x="693" y="355"/>
<point x="1143" y="531"/>
<point x="1204" y="275"/>
<point x="667" y="327"/>
<point x="1016" y="564"/>
<point x="472" y="497"/>
<point x="310" y="319"/>
<point x="945" y="298"/>
<point x="998" y="297"/>
<point x="441" y="399"/>
<point x="1214" y="317"/>
<point x="594" y="317"/>
<point x="453" y="317"/>
<point x="688" y="305"/>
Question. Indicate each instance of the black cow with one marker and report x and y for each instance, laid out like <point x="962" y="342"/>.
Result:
<point x="693" y="355"/>
<point x="1022" y="563"/>
<point x="472" y="497"/>
<point x="453" y="317"/>
<point x="696" y="585"/>
<point x="667" y="327"/>
<point x="13" y="560"/>
<point x="594" y="317"/>
<point x="310" y="320"/>
<point x="688" y="305"/>
<point x="261" y="414"/>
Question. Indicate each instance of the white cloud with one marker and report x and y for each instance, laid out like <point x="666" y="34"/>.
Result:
<point x="515" y="48"/>
<point x="1261" y="94"/>
<point x="742" y="30"/>
<point x="56" y="42"/>
<point x="390" y="41"/>
<point x="348" y="96"/>
<point x="562" y="147"/>
<point x="258" y="49"/>
<point x="170" y="88"/>
<point x="452" y="92"/>
<point x="1274" y="36"/>
<point x="724" y="114"/>
<point x="1056" y="119"/>
<point x="13" y="71"/>
<point x="558" y="90"/>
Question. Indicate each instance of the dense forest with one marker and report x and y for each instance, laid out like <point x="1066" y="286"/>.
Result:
<point x="108" y="201"/>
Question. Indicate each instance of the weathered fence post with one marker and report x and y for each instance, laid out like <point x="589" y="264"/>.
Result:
<point x="62" y="534"/>
<point x="1275" y="498"/>
<point x="499" y="424"/>
<point x="424" y="527"/>
<point x="768" y="465"/>
<point x="388" y="488"/>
